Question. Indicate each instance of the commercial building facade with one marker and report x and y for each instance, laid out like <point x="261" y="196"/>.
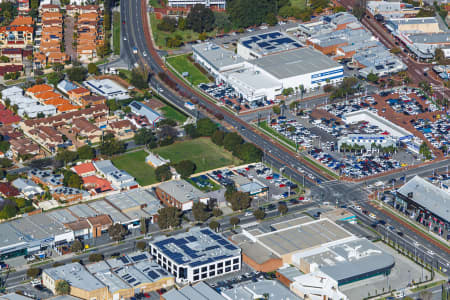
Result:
<point x="196" y="255"/>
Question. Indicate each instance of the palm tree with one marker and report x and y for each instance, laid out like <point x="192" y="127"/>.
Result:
<point x="302" y="90"/>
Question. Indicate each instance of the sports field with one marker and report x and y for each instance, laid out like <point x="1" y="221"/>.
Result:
<point x="134" y="163"/>
<point x="204" y="153"/>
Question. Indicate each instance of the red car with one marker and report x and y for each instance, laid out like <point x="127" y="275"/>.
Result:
<point x="301" y="198"/>
<point x="146" y="295"/>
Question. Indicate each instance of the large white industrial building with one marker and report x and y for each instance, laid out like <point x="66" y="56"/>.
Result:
<point x="189" y="3"/>
<point x="266" y="74"/>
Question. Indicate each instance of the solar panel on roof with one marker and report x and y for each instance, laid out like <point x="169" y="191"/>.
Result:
<point x="152" y="274"/>
<point x="162" y="272"/>
<point x="139" y="257"/>
<point x="124" y="259"/>
<point x="191" y="238"/>
<point x="230" y="247"/>
<point x="131" y="280"/>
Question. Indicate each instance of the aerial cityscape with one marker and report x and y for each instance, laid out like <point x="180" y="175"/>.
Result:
<point x="224" y="149"/>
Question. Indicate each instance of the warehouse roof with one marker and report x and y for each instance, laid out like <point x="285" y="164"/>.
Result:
<point x="217" y="56"/>
<point x="428" y="195"/>
<point x="296" y="62"/>
<point x="270" y="42"/>
<point x="182" y="191"/>
<point x="273" y="288"/>
<point x="200" y="291"/>
<point x="302" y="236"/>
<point x="76" y="275"/>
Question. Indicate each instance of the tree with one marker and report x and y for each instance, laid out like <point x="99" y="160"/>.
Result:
<point x="214" y="225"/>
<point x="76" y="246"/>
<point x="200" y="212"/>
<point x="55" y="77"/>
<point x="144" y="136"/>
<point x="4" y="146"/>
<point x="234" y="221"/>
<point x="245" y="13"/>
<point x="111" y="146"/>
<point x="62" y="287"/>
<point x="117" y="232"/>
<point x="167" y="24"/>
<point x="276" y="109"/>
<point x="222" y="21"/>
<point x="191" y="131"/>
<point x="92" y="69"/>
<point x="271" y="19"/>
<point x="77" y="74"/>
<point x="217" y="212"/>
<point x="143" y="223"/>
<point x="71" y="179"/>
<point x="169" y="217"/>
<point x="163" y="173"/>
<point x="200" y="18"/>
<point x="141" y="245"/>
<point x="33" y="272"/>
<point x="238" y="200"/>
<point x="206" y="127"/>
<point x="96" y="257"/>
<point x="185" y="168"/>
<point x="86" y="152"/>
<point x="282" y="208"/>
<point x="4" y="59"/>
<point x="217" y="137"/>
<point x="259" y="214"/>
<point x="138" y="79"/>
<point x="248" y="152"/>
<point x="425" y="151"/>
<point x="232" y="140"/>
<point x="8" y="211"/>
<point x="372" y="77"/>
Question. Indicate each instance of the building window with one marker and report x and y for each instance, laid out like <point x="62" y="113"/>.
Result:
<point x="236" y="260"/>
<point x="204" y="276"/>
<point x="220" y="271"/>
<point x="236" y="267"/>
<point x="212" y="273"/>
<point x="227" y="269"/>
<point x="164" y="259"/>
<point x="196" y="271"/>
<point x="228" y="263"/>
<point x="169" y="263"/>
<point x="220" y="264"/>
<point x="195" y="277"/>
<point x="204" y="269"/>
<point x="212" y="267"/>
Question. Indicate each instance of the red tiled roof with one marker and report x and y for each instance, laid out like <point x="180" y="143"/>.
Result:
<point x="8" y="190"/>
<point x="99" y="184"/>
<point x="84" y="168"/>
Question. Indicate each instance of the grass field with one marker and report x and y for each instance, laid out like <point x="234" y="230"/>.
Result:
<point x="172" y="113"/>
<point x="275" y="133"/>
<point x="156" y="3"/>
<point x="299" y="3"/>
<point x="116" y="33"/>
<point x="160" y="36"/>
<point x="204" y="153"/>
<point x="134" y="163"/>
<point x="181" y="63"/>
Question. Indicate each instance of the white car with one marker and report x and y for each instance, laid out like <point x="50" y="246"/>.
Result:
<point x="124" y="38"/>
<point x="358" y="207"/>
<point x="144" y="53"/>
<point x="430" y="252"/>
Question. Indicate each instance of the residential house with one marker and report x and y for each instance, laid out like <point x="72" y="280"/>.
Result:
<point x="27" y="188"/>
<point x="141" y="109"/>
<point x="75" y="95"/>
<point x="68" y="194"/>
<point x="84" y="128"/>
<point x="92" y="100"/>
<point x="46" y="178"/>
<point x="84" y="169"/>
<point x="8" y="190"/>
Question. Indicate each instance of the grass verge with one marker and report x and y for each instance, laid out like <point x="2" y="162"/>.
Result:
<point x="318" y="165"/>
<point x="134" y="163"/>
<point x="116" y="32"/>
<point x="181" y="63"/>
<point x="427" y="286"/>
<point x="174" y="114"/>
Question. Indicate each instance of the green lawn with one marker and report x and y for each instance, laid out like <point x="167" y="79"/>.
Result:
<point x="275" y="133"/>
<point x="160" y="36"/>
<point x="134" y="163"/>
<point x="156" y="3"/>
<point x="298" y="3"/>
<point x="174" y="114"/>
<point x="116" y="33"/>
<point x="181" y="63"/>
<point x="204" y="153"/>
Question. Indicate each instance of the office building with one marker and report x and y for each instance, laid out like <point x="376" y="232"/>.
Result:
<point x="180" y="193"/>
<point x="370" y="142"/>
<point x="196" y="255"/>
<point x="107" y="88"/>
<point x="263" y="44"/>
<point x="192" y="292"/>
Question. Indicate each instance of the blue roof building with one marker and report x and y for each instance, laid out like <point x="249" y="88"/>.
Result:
<point x="196" y="255"/>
